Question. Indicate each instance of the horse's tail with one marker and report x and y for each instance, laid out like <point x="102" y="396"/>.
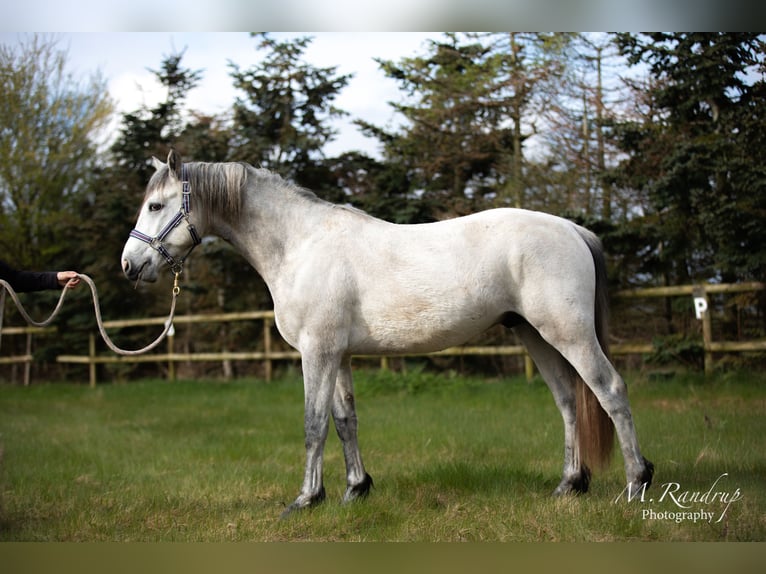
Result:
<point x="595" y="429"/>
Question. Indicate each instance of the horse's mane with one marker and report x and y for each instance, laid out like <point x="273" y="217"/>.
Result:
<point x="265" y="179"/>
<point x="223" y="184"/>
<point x="288" y="189"/>
<point x="274" y="181"/>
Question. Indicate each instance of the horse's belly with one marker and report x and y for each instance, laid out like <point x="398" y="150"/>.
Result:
<point x="439" y="303"/>
<point x="415" y="332"/>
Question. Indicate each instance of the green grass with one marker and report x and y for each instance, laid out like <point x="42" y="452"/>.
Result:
<point x="452" y="458"/>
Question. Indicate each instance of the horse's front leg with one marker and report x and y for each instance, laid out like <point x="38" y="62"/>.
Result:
<point x="344" y="413"/>
<point x="319" y="373"/>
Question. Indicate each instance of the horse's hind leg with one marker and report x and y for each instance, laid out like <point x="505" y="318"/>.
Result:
<point x="344" y="414"/>
<point x="607" y="385"/>
<point x="560" y="378"/>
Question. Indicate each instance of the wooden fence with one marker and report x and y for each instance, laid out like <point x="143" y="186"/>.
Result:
<point x="700" y="294"/>
<point x="27" y="358"/>
<point x="268" y="354"/>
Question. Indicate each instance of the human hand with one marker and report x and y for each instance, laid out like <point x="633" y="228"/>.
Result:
<point x="68" y="279"/>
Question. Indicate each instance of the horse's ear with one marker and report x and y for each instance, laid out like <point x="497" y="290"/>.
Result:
<point x="157" y="164"/>
<point x="174" y="163"/>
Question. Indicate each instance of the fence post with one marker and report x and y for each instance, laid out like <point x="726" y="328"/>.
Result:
<point x="28" y="364"/>
<point x="707" y="340"/>
<point x="267" y="347"/>
<point x="171" y="361"/>
<point x="702" y="310"/>
<point x="92" y="359"/>
<point x="529" y="367"/>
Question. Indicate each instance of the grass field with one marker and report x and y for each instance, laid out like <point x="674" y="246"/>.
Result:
<point x="452" y="458"/>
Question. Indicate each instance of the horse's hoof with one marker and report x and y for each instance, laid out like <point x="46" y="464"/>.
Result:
<point x="303" y="502"/>
<point x="647" y="475"/>
<point x="359" y="491"/>
<point x="575" y="484"/>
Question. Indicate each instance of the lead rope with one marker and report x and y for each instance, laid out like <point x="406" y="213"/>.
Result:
<point x="97" y="308"/>
<point x="23" y="311"/>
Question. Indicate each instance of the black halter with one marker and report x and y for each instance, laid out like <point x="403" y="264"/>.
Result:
<point x="182" y="214"/>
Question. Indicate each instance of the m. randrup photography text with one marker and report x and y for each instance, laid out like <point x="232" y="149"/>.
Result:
<point x="695" y="505"/>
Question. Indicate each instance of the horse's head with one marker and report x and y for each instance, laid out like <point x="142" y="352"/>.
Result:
<point x="156" y="238"/>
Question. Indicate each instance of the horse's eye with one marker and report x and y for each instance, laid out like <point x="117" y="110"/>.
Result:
<point x="155" y="206"/>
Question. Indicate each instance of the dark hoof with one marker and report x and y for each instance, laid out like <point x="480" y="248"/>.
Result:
<point x="577" y="484"/>
<point x="359" y="491"/>
<point x="637" y="488"/>
<point x="648" y="474"/>
<point x="303" y="502"/>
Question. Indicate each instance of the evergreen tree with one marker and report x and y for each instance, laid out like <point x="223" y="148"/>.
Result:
<point x="453" y="138"/>
<point x="469" y="109"/>
<point x="148" y="132"/>
<point x="282" y="122"/>
<point x="378" y="187"/>
<point x="205" y="138"/>
<point x="698" y="155"/>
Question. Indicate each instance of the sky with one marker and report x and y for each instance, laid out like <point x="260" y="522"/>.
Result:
<point x="374" y="15"/>
<point x="124" y="60"/>
<point x="115" y="38"/>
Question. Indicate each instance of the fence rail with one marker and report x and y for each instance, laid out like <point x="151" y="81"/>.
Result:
<point x="268" y="354"/>
<point x="27" y="358"/>
<point x="700" y="293"/>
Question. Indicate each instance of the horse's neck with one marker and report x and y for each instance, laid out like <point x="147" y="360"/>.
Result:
<point x="272" y="223"/>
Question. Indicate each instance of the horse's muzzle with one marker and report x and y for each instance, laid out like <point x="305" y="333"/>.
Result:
<point x="136" y="272"/>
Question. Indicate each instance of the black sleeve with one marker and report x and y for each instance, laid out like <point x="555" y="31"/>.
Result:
<point x="23" y="281"/>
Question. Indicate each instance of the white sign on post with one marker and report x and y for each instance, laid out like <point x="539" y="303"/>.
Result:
<point x="700" y="306"/>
